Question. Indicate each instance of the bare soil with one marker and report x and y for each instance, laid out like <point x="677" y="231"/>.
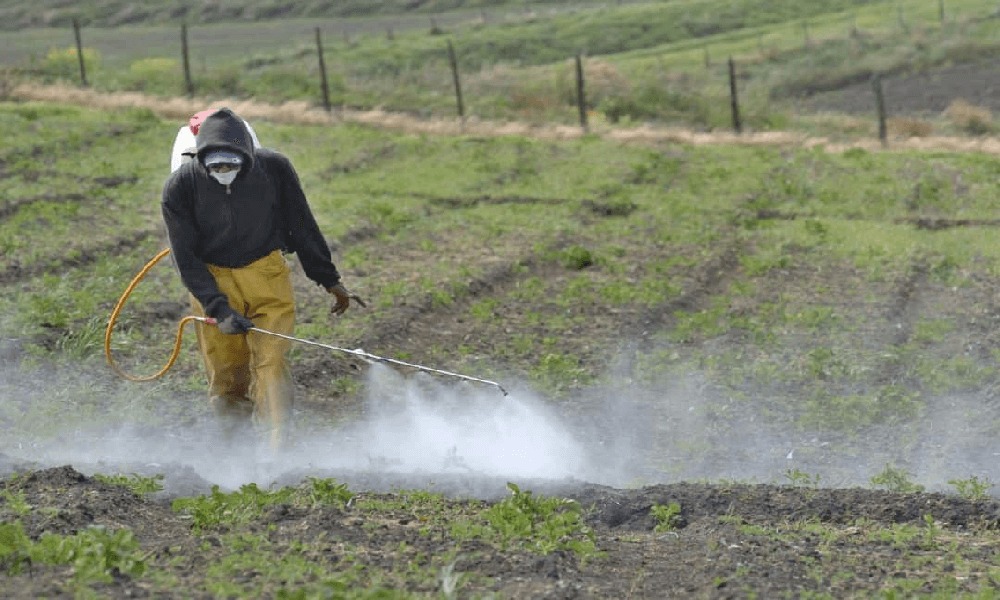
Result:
<point x="709" y="554"/>
<point x="918" y="94"/>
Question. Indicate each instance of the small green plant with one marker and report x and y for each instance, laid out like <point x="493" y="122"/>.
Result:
<point x="896" y="480"/>
<point x="139" y="484"/>
<point x="83" y="341"/>
<point x="541" y="524"/>
<point x="577" y="258"/>
<point x="95" y="553"/>
<point x="559" y="372"/>
<point x="931" y="531"/>
<point x="15" y="548"/>
<point x="326" y="492"/>
<point x="245" y="505"/>
<point x="972" y="488"/>
<point x="667" y="516"/>
<point x="15" y="502"/>
<point x="798" y="478"/>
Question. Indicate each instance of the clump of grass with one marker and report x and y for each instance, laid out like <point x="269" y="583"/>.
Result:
<point x="668" y="516"/>
<point x="908" y="127"/>
<point x="972" y="488"/>
<point x="896" y="480"/>
<point x="577" y="258"/>
<point x="970" y="118"/>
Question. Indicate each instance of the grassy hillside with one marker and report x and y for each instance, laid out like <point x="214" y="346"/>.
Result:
<point x="644" y="61"/>
<point x="113" y="13"/>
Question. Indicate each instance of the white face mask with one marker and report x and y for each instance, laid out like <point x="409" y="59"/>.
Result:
<point x="225" y="178"/>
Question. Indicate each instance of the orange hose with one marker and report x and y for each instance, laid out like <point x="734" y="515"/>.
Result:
<point x="114" y="318"/>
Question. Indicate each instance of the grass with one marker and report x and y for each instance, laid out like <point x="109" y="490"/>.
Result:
<point x="646" y="61"/>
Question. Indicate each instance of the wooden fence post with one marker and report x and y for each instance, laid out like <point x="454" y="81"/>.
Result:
<point x="733" y="100"/>
<point x="322" y="72"/>
<point x="581" y="95"/>
<point x="883" y="134"/>
<point x="453" y="60"/>
<point x="188" y="82"/>
<point x="79" y="52"/>
<point x="941" y="11"/>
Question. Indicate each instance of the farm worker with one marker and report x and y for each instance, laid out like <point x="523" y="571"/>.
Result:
<point x="231" y="214"/>
<point x="185" y="145"/>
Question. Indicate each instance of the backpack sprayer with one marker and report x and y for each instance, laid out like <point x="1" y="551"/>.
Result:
<point x="366" y="356"/>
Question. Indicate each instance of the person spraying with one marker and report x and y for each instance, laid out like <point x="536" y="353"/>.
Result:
<point x="231" y="214"/>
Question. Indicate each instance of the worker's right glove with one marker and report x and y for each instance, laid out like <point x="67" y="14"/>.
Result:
<point x="235" y="323"/>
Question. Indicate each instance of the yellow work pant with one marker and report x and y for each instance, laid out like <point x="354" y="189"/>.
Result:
<point x="248" y="373"/>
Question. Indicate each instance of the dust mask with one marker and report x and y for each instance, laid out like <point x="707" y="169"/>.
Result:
<point x="223" y="165"/>
<point x="224" y="178"/>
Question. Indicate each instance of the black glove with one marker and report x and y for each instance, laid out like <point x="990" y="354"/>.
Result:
<point x="235" y="323"/>
<point x="343" y="299"/>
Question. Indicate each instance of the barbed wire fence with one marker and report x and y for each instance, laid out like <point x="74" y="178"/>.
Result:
<point x="583" y="105"/>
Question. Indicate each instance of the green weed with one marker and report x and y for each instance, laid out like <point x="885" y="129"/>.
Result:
<point x="15" y="502"/>
<point x="895" y="480"/>
<point x="798" y="478"/>
<point x="140" y="484"/>
<point x="972" y="488"/>
<point x="244" y="506"/>
<point x="95" y="553"/>
<point x="292" y="573"/>
<point x="540" y="524"/>
<point x="668" y="516"/>
<point x="558" y="372"/>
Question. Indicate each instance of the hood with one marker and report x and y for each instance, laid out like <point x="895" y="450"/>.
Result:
<point x="224" y="130"/>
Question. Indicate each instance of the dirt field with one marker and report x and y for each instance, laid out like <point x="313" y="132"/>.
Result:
<point x="710" y="554"/>
<point x="927" y="93"/>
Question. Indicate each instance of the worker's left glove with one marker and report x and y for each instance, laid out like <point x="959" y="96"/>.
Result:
<point x="343" y="299"/>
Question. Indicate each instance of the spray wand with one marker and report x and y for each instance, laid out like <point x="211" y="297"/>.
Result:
<point x="367" y="356"/>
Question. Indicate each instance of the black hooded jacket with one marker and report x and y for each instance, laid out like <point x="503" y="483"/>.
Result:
<point x="263" y="210"/>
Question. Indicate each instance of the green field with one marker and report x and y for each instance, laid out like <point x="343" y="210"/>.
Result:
<point x="576" y="239"/>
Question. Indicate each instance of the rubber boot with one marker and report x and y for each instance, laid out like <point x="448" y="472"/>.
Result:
<point x="234" y="414"/>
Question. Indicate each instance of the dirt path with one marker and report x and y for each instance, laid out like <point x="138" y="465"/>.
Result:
<point x="300" y="112"/>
